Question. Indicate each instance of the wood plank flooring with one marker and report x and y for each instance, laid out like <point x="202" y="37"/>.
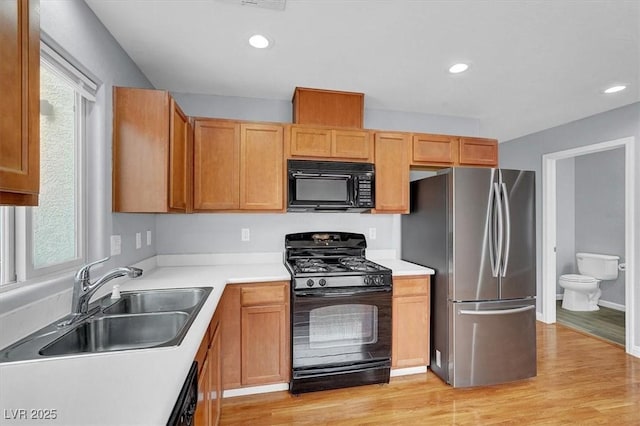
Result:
<point x="606" y="323"/>
<point x="581" y="380"/>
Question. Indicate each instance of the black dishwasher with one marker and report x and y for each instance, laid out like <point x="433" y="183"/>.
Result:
<point x="185" y="408"/>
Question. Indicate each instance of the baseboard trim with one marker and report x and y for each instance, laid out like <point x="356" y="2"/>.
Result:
<point x="395" y="372"/>
<point x="254" y="390"/>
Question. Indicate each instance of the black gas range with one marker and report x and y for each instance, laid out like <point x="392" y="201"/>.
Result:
<point x="340" y="310"/>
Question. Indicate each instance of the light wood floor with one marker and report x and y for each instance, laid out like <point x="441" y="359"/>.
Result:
<point x="581" y="380"/>
<point x="606" y="323"/>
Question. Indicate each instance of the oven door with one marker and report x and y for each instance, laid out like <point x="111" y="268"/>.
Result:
<point x="332" y="328"/>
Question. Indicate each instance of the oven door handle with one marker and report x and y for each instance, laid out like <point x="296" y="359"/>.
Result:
<point x="323" y="294"/>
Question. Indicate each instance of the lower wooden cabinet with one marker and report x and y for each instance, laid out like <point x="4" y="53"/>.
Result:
<point x="411" y="322"/>
<point x="209" y="376"/>
<point x="255" y="331"/>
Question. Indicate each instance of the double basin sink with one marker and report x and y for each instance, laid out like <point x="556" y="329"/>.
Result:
<point x="135" y="320"/>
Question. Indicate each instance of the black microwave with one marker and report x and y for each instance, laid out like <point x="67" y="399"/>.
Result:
<point x="330" y="186"/>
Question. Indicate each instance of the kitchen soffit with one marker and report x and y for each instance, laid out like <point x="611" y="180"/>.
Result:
<point x="535" y="64"/>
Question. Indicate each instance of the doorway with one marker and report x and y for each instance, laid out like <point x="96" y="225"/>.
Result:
<point x="550" y="164"/>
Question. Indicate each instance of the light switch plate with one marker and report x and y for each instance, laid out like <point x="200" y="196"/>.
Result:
<point x="116" y="245"/>
<point x="148" y="238"/>
<point x="138" y="240"/>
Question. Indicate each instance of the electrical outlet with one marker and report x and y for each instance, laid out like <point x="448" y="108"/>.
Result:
<point x="138" y="240"/>
<point x="246" y="235"/>
<point x="373" y="233"/>
<point x="148" y="238"/>
<point x="116" y="245"/>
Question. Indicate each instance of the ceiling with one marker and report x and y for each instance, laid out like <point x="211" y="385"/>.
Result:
<point x="533" y="64"/>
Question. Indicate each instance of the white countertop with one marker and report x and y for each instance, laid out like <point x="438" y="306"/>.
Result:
<point x="139" y="386"/>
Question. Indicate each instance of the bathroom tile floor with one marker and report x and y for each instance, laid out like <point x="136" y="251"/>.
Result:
<point x="606" y="323"/>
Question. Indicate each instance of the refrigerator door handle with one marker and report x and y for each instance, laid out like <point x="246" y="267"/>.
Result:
<point x="500" y="235"/>
<point x="495" y="265"/>
<point x="505" y="198"/>
<point x="497" y="311"/>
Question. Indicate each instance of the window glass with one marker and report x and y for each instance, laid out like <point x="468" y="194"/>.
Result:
<point x="55" y="219"/>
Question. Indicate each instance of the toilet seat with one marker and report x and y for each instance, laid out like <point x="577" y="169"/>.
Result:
<point x="575" y="278"/>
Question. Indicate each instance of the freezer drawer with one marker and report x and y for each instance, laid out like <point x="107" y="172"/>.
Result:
<point x="493" y="342"/>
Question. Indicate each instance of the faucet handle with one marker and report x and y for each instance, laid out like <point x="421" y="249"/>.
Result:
<point x="83" y="273"/>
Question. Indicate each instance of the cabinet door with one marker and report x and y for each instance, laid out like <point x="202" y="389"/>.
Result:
<point x="310" y="142"/>
<point x="19" y="102"/>
<point x="215" y="378"/>
<point x="479" y="152"/>
<point x="411" y="322"/>
<point x="179" y="159"/>
<point x="392" y="172"/>
<point x="202" y="414"/>
<point x="216" y="170"/>
<point x="261" y="167"/>
<point x="351" y="144"/>
<point x="230" y="334"/>
<point x="434" y="149"/>
<point x="141" y="124"/>
<point x="264" y="344"/>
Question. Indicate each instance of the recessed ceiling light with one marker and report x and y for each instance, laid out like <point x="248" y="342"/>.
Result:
<point x="259" y="41"/>
<point x="458" y="68"/>
<point x="614" y="89"/>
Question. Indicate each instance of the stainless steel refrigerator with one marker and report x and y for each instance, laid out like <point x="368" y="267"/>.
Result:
<point x="476" y="228"/>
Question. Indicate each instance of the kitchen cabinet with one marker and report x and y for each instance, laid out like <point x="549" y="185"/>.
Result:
<point x="255" y="331"/>
<point x="19" y="102"/>
<point x="330" y="144"/>
<point x="411" y="322"/>
<point x="392" y="172"/>
<point x="478" y="152"/>
<point x="209" y="373"/>
<point x="238" y="166"/>
<point x="450" y="151"/>
<point x="439" y="150"/>
<point x="328" y="107"/>
<point x="152" y="152"/>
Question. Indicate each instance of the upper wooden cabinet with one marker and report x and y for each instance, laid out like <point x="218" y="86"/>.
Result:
<point x="392" y="172"/>
<point x="151" y="152"/>
<point x="330" y="144"/>
<point x="447" y="151"/>
<point x="478" y="152"/>
<point x="19" y="102"/>
<point x="238" y="166"/>
<point x="434" y="149"/>
<point x="328" y="107"/>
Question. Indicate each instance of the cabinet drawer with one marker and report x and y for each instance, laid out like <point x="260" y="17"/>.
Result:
<point x="263" y="294"/>
<point x="410" y="286"/>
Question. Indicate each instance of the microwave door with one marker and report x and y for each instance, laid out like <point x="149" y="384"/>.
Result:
<point x="321" y="191"/>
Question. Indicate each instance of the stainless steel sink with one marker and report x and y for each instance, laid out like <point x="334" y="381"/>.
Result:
<point x="156" y="301"/>
<point x="137" y="320"/>
<point x="116" y="333"/>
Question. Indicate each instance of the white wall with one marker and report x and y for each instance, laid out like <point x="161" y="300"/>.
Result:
<point x="599" y="207"/>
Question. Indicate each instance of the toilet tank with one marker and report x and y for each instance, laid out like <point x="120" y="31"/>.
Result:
<point x="598" y="266"/>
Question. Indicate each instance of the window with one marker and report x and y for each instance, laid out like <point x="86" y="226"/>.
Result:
<point x="50" y="238"/>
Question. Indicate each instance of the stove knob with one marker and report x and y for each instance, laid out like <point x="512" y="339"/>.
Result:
<point x="378" y="280"/>
<point x="310" y="282"/>
<point x="322" y="282"/>
<point x="367" y="280"/>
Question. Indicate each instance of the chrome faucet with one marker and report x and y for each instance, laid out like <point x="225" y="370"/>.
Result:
<point x="83" y="289"/>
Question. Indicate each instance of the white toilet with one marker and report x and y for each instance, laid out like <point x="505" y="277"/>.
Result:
<point x="581" y="292"/>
